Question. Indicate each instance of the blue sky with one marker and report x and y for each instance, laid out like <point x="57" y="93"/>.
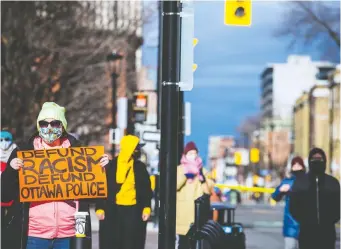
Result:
<point x="230" y="60"/>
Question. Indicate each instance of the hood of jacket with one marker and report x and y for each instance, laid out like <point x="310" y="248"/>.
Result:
<point x="124" y="160"/>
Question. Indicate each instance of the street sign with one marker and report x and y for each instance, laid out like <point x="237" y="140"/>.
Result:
<point x="188" y="42"/>
<point x="151" y="136"/>
<point x="122" y="113"/>
<point x="115" y="136"/>
<point x="187" y="119"/>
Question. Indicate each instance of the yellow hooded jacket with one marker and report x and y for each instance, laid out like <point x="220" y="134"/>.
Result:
<point x="125" y="174"/>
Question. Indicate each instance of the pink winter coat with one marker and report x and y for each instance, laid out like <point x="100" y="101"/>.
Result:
<point x="52" y="219"/>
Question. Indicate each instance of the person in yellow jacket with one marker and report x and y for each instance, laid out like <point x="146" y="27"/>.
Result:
<point x="124" y="213"/>
<point x="192" y="182"/>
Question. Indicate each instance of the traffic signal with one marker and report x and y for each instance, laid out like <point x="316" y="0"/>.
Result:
<point x="238" y="12"/>
<point x="237" y="158"/>
<point x="195" y="42"/>
<point x="140" y="107"/>
<point x="254" y="155"/>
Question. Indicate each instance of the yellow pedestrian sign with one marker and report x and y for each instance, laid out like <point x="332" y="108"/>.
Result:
<point x="238" y="12"/>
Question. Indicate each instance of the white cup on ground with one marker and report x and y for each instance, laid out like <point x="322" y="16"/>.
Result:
<point x="80" y="225"/>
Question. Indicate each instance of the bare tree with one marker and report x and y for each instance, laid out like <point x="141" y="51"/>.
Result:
<point x="55" y="51"/>
<point x="313" y="23"/>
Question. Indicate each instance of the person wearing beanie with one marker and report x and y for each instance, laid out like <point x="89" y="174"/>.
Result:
<point x="124" y="213"/>
<point x="315" y="204"/>
<point x="290" y="226"/>
<point x="45" y="224"/>
<point x="192" y="182"/>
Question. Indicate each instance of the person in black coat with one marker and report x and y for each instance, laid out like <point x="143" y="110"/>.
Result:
<point x="315" y="204"/>
<point x="124" y="213"/>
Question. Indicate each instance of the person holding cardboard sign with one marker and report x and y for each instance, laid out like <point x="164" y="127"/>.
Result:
<point x="43" y="224"/>
<point x="124" y="213"/>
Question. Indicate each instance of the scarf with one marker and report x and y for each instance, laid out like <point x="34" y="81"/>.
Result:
<point x="191" y="167"/>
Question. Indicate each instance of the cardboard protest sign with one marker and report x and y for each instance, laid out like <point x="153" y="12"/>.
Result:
<point x="62" y="174"/>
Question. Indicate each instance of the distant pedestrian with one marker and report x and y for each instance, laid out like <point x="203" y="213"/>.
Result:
<point x="216" y="197"/>
<point x="291" y="227"/>
<point x="192" y="182"/>
<point x="124" y="213"/>
<point x="315" y="204"/>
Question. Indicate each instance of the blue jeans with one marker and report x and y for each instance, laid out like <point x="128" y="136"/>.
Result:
<point x="38" y="243"/>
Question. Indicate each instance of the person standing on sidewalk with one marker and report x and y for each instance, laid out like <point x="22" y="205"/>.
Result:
<point x="6" y="148"/>
<point x="124" y="213"/>
<point x="290" y="226"/>
<point x="315" y="204"/>
<point x="42" y="224"/>
<point x="192" y="182"/>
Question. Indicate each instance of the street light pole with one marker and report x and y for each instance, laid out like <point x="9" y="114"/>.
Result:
<point x="169" y="122"/>
<point x="114" y="77"/>
<point x="272" y="127"/>
<point x="112" y="59"/>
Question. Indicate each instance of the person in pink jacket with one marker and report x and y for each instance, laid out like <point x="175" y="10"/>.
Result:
<point x="43" y="224"/>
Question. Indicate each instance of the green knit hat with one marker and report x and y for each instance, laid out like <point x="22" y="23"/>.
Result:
<point x="52" y="110"/>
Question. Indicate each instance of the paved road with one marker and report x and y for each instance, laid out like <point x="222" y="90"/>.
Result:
<point x="263" y="228"/>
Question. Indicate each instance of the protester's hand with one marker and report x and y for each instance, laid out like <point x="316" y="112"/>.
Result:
<point x="100" y="216"/>
<point x="104" y="160"/>
<point x="16" y="163"/>
<point x="145" y="217"/>
<point x="284" y="188"/>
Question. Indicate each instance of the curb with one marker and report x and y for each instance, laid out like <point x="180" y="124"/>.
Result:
<point x="264" y="224"/>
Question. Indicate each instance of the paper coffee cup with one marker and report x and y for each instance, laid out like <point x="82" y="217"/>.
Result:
<point x="80" y="218"/>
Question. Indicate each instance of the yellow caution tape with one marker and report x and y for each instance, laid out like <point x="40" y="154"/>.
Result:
<point x="246" y="189"/>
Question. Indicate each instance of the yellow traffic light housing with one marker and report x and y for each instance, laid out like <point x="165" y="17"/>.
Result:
<point x="237" y="158"/>
<point x="254" y="155"/>
<point x="195" y="42"/>
<point x="238" y="12"/>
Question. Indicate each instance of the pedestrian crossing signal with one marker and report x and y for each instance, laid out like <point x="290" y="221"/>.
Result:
<point x="238" y="12"/>
<point x="195" y="42"/>
<point x="140" y="107"/>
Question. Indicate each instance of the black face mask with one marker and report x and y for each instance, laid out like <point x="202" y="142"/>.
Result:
<point x="298" y="172"/>
<point x="137" y="155"/>
<point x="317" y="167"/>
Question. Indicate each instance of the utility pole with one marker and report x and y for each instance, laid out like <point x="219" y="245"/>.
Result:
<point x="181" y="107"/>
<point x="169" y="122"/>
<point x="181" y="125"/>
<point x="113" y="60"/>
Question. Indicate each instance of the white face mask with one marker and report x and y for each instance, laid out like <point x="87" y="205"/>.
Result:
<point x="191" y="157"/>
<point x="4" y="145"/>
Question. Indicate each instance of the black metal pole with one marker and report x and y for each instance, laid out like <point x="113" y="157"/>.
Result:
<point x="159" y="68"/>
<point x="114" y="76"/>
<point x="169" y="122"/>
<point x="181" y="108"/>
<point x="181" y="125"/>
